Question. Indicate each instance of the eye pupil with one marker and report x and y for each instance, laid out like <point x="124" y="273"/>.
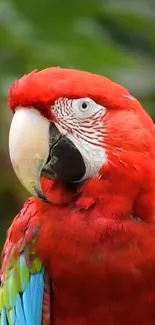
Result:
<point x="84" y="105"/>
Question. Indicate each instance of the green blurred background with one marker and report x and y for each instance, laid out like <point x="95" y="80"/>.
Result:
<point x="115" y="38"/>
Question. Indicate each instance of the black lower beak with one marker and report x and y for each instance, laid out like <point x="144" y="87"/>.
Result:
<point x="65" y="161"/>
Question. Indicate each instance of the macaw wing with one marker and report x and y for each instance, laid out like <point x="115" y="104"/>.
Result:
<point x="25" y="287"/>
<point x="21" y="300"/>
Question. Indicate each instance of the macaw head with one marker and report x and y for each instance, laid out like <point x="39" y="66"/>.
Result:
<point x="72" y="126"/>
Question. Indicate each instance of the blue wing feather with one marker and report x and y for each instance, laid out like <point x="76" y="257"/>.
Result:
<point x="37" y="291"/>
<point x="33" y="299"/>
<point x="22" y="275"/>
<point x="3" y="317"/>
<point x="26" y="307"/>
<point x="19" y="311"/>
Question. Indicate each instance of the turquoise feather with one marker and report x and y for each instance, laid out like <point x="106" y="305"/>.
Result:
<point x="21" y="295"/>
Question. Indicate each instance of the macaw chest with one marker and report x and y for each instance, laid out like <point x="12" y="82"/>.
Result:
<point x="103" y="286"/>
<point x="101" y="271"/>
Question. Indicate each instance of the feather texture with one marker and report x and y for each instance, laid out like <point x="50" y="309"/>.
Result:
<point x="22" y="275"/>
<point x="97" y="241"/>
<point x="21" y="295"/>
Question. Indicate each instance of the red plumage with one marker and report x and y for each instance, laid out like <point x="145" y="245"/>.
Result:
<point x="42" y="88"/>
<point x="98" y="242"/>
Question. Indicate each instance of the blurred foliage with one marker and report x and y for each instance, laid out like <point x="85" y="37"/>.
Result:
<point x="114" y="38"/>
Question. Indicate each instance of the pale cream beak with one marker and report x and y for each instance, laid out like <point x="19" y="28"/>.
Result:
<point x="29" y="147"/>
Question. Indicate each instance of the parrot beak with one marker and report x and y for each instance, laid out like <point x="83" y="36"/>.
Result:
<point x="29" y="148"/>
<point x="37" y="148"/>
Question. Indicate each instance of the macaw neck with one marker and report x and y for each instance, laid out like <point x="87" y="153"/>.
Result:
<point x="116" y="196"/>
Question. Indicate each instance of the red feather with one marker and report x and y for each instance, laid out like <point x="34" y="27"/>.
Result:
<point x="102" y="266"/>
<point x="98" y="243"/>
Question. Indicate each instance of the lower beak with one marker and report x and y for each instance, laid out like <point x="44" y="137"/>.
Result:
<point x="29" y="148"/>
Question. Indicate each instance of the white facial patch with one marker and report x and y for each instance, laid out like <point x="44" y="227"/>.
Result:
<point x="81" y="120"/>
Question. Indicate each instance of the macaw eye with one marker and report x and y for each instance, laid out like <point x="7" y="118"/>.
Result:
<point x="84" y="106"/>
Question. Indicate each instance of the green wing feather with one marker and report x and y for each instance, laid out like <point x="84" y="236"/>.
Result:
<point x="22" y="276"/>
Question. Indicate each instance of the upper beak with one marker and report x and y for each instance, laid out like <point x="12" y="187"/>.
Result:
<point x="29" y="148"/>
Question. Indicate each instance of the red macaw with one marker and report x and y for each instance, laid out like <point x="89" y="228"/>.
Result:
<point x="82" y="249"/>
